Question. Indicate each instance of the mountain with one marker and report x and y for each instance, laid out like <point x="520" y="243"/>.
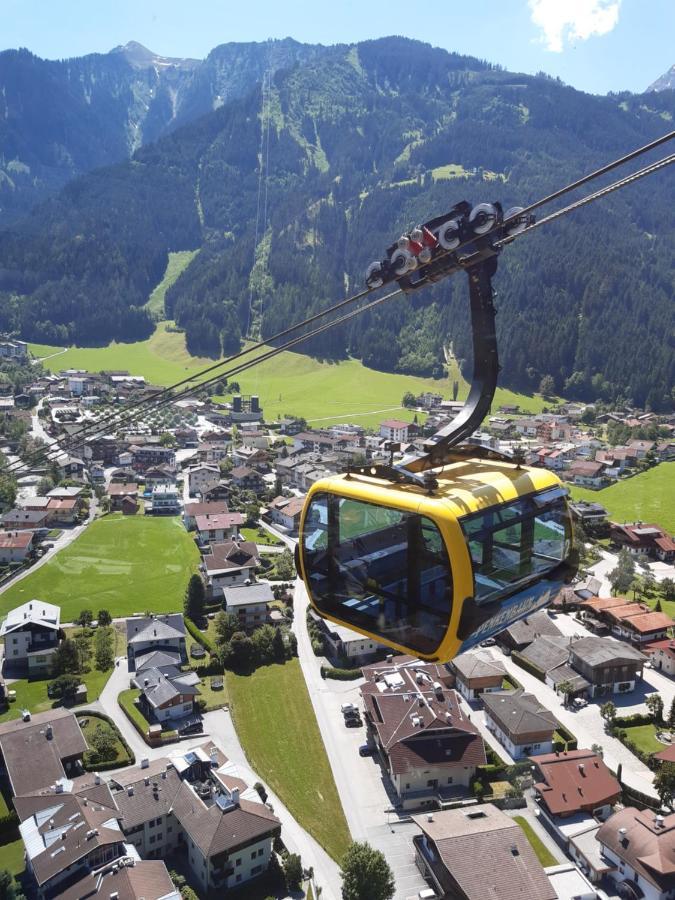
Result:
<point x="361" y="142"/>
<point x="60" y="119"/>
<point x="665" y="83"/>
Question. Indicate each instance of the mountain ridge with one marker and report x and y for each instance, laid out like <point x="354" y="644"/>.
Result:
<point x="665" y="82"/>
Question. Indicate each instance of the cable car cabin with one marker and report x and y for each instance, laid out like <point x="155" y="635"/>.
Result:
<point x="435" y="574"/>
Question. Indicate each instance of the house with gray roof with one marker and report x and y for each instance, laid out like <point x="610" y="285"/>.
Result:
<point x="249" y="603"/>
<point x="168" y="695"/>
<point x="520" y="722"/>
<point x="31" y="634"/>
<point x="610" y="666"/>
<point x="523" y="632"/>
<point x="146" y="633"/>
<point x="478" y="852"/>
<point x="546" y="652"/>
<point x="478" y="673"/>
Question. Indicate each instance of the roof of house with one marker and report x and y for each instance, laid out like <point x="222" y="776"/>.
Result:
<point x="33" y="612"/>
<point x="243" y="472"/>
<point x="15" y="540"/>
<point x="33" y="759"/>
<point x="407" y="711"/>
<point x="143" y="629"/>
<point x="147" y="878"/>
<point x="243" y="594"/>
<point x="218" y="520"/>
<point x="160" y="686"/>
<point x="212" y="507"/>
<point x="519" y="713"/>
<point x="394" y="423"/>
<point x="647" y="844"/>
<point x="487" y="854"/>
<point x="598" y="651"/>
<point x="575" y="780"/>
<point x="597" y="604"/>
<point x="231" y="555"/>
<point x="650" y="621"/>
<point x="586" y="468"/>
<point x="666" y="755"/>
<point x="526" y="630"/>
<point x="122" y="488"/>
<point x="667" y="645"/>
<point x="64" y="492"/>
<point x="291" y="507"/>
<point x="25" y="516"/>
<point x="478" y="665"/>
<point x="565" y="674"/>
<point x="140" y="798"/>
<point x="61" y="829"/>
<point x="547" y="652"/>
<point x="157" y="659"/>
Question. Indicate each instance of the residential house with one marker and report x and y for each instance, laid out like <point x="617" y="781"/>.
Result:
<point x="229" y="563"/>
<point x="523" y="632"/>
<point x="520" y="723"/>
<point x="160" y="632"/>
<point x="589" y="473"/>
<point x="662" y="655"/>
<point x="640" y="845"/>
<point x="13" y="349"/>
<point x="574" y="781"/>
<point x="63" y="510"/>
<point x="286" y="512"/>
<point x="168" y="695"/>
<point x="249" y="603"/>
<point x="218" y="527"/>
<point x="394" y="430"/>
<point x="202" y="478"/>
<point x="478" y="673"/>
<point x="25" y="519"/>
<point x="31" y="633"/>
<point x="246" y="479"/>
<point x="146" y="878"/>
<point x="341" y="644"/>
<point x="209" y="508"/>
<point x="16" y="547"/>
<point x="641" y="539"/>
<point x="150" y="455"/>
<point x="609" y="666"/>
<point x="165" y="501"/>
<point x="159" y="476"/>
<point x="197" y="802"/>
<point x="637" y="623"/>
<point x="253" y="456"/>
<point x="478" y="852"/>
<point x="641" y="448"/>
<point x="123" y="474"/>
<point x="118" y="491"/>
<point x="213" y="452"/>
<point x="591" y="516"/>
<point x="41" y="751"/>
<point x="429" y="747"/>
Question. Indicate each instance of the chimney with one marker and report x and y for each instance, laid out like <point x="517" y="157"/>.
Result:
<point x="147" y="781"/>
<point x="58" y="787"/>
<point x="390" y="657"/>
<point x="213" y="753"/>
<point x="49" y="732"/>
<point x="622" y="834"/>
<point x="234" y="796"/>
<point x="130" y="790"/>
<point x="97" y="778"/>
<point x="581" y="769"/>
<point x="658" y="820"/>
<point x="145" y="762"/>
<point x="430" y="817"/>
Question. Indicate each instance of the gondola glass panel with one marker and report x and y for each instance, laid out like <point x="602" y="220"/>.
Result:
<point x="380" y="569"/>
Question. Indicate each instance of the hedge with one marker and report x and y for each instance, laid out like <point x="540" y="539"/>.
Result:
<point x="340" y="674"/>
<point x="110" y="764"/>
<point x="635" y="719"/>
<point x="527" y="665"/>
<point x="8" y="826"/>
<point x="199" y="636"/>
<point x="567" y="737"/>
<point x="136" y="718"/>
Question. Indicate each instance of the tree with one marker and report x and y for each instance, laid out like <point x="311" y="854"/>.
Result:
<point x="104" y="652"/>
<point x="285" y="566"/>
<point x="226" y="624"/>
<point x="366" y="874"/>
<point x="654" y="704"/>
<point x="664" y="783"/>
<point x="66" y="658"/>
<point x="566" y="688"/>
<point x="8" y="887"/>
<point x="658" y="607"/>
<point x="103" y="741"/>
<point x="242" y="652"/>
<point x="259" y="788"/>
<point x="668" y="589"/>
<point x="293" y="871"/>
<point x="104" y="618"/>
<point x="409" y="400"/>
<point x="292" y="645"/>
<point x="597" y="748"/>
<point x="83" y="647"/>
<point x="547" y="386"/>
<point x="85" y="618"/>
<point x="195" y="597"/>
<point x="167" y="440"/>
<point x="278" y="646"/>
<point x="64" y="687"/>
<point x="263" y="641"/>
<point x="608" y="711"/>
<point x="44" y="486"/>
<point x="671" y="714"/>
<point x="622" y="576"/>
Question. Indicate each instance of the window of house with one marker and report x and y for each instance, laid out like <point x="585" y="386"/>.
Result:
<point x="237" y="861"/>
<point x="261" y="851"/>
<point x="238" y="878"/>
<point x="256" y="869"/>
<point x="152" y="838"/>
<point x="253" y="855"/>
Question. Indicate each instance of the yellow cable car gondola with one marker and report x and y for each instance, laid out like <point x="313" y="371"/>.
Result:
<point x="439" y="553"/>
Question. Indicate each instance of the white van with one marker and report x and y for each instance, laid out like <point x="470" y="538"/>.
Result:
<point x="427" y="894"/>
<point x="348" y="708"/>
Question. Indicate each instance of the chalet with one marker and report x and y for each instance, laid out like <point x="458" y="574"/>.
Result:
<point x="640" y="845"/>
<point x="249" y="603"/>
<point x="462" y="851"/>
<point x="117" y="491"/>
<point x="159" y="476"/>
<point x="25" y="519"/>
<point x="202" y="478"/>
<point x="641" y="539"/>
<point x="478" y="673"/>
<point x="147" y="878"/>
<point x="610" y="667"/>
<point x="520" y="723"/>
<point x="286" y="512"/>
<point x="63" y="510"/>
<point x="638" y="623"/>
<point x="208" y="508"/>
<point x="246" y="479"/>
<point x="213" y="452"/>
<point x="591" y="516"/>
<point x="150" y="455"/>
<point x="229" y="563"/>
<point x="164" y="501"/>
<point x="429" y="747"/>
<point x="574" y="781"/>
<point x="587" y="472"/>
<point x="31" y="633"/>
<point x="168" y="695"/>
<point x="16" y="546"/>
<point x="146" y="633"/>
<point x="341" y="643"/>
<point x="394" y="430"/>
<point x="218" y="527"/>
<point x="523" y="632"/>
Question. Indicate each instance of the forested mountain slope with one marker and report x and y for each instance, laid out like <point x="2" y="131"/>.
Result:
<point x="61" y="118"/>
<point x="364" y="141"/>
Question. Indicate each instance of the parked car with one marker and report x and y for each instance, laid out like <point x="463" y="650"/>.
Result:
<point x="579" y="702"/>
<point x="353" y="721"/>
<point x="366" y="750"/>
<point x="490" y="642"/>
<point x="347" y="708"/>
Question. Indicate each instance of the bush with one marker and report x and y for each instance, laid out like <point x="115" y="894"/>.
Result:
<point x="64" y="687"/>
<point x="201" y="638"/>
<point x="341" y="674"/>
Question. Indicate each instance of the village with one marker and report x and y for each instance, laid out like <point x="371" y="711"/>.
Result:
<point x="550" y="748"/>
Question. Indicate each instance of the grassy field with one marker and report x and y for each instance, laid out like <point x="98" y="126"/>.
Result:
<point x="125" y="564"/>
<point x="322" y="393"/>
<point x="544" y="855"/>
<point x="260" y="536"/>
<point x="644" y="738"/>
<point x="649" y="497"/>
<point x="275" y="723"/>
<point x="89" y="723"/>
<point x="178" y="262"/>
<point x="11" y="857"/>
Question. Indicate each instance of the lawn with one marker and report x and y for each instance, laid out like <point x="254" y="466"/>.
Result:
<point x="644" y="738"/>
<point x="649" y="497"/>
<point x="275" y="722"/>
<point x="11" y="857"/>
<point x="125" y="564"/>
<point x="89" y="723"/>
<point x="177" y="264"/>
<point x="260" y="536"/>
<point x="215" y="698"/>
<point x="344" y="391"/>
<point x="544" y="855"/>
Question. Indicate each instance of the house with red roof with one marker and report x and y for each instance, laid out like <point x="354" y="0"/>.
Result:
<point x="642" y="539"/>
<point x="394" y="430"/>
<point x="662" y="655"/>
<point x="15" y="546"/>
<point x="574" y="781"/>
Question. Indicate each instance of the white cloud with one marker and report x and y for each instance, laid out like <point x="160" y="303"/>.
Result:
<point x="573" y="20"/>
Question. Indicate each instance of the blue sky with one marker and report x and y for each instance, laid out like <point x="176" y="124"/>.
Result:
<point x="594" y="45"/>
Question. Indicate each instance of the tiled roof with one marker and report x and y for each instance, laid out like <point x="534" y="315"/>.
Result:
<point x="148" y="878"/>
<point x="15" y="540"/>
<point x="519" y="713"/>
<point x="647" y="846"/>
<point x="141" y="629"/>
<point x="213" y="507"/>
<point x="526" y="630"/>
<point x="574" y="781"/>
<point x="218" y="520"/>
<point x="231" y="555"/>
<point x="478" y="665"/>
